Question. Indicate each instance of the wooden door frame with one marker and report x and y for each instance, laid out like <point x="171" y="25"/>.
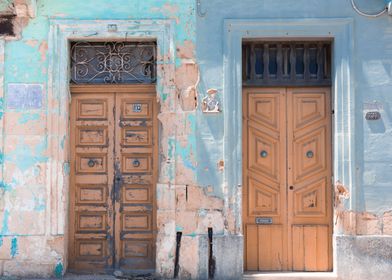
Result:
<point x="58" y="99"/>
<point x="340" y="31"/>
<point x="139" y="89"/>
<point x="283" y="91"/>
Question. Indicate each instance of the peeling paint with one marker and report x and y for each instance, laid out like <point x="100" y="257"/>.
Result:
<point x="58" y="270"/>
<point x="43" y="49"/>
<point x="14" y="247"/>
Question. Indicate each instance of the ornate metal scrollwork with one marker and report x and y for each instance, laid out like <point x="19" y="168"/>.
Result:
<point x="113" y="62"/>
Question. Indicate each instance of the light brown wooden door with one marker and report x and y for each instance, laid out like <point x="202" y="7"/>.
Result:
<point x="113" y="177"/>
<point x="287" y="206"/>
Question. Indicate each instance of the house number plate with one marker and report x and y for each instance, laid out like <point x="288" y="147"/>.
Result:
<point x="263" y="221"/>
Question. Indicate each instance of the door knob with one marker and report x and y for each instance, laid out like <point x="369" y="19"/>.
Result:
<point x="136" y="163"/>
<point x="91" y="163"/>
<point x="291" y="188"/>
<point x="263" y="154"/>
<point x="309" y="154"/>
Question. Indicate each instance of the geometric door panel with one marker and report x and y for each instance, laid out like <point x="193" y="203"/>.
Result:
<point x="287" y="179"/>
<point x="112" y="188"/>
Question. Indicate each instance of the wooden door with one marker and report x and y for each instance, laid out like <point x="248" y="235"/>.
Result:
<point x="287" y="206"/>
<point x="113" y="175"/>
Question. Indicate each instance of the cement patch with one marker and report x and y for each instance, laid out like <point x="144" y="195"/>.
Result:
<point x="363" y="257"/>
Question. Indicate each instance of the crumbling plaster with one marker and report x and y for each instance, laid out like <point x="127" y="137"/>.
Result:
<point x="200" y="172"/>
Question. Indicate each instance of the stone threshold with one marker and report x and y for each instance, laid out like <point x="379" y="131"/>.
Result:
<point x="290" y="276"/>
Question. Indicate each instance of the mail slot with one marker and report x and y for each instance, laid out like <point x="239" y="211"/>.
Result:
<point x="263" y="221"/>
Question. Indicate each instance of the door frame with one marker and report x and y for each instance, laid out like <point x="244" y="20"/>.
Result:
<point x="130" y="90"/>
<point x="285" y="127"/>
<point x="340" y="31"/>
<point x="61" y="32"/>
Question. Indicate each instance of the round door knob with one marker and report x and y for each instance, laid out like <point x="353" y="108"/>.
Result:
<point x="136" y="163"/>
<point x="291" y="188"/>
<point x="309" y="154"/>
<point x="91" y="163"/>
<point x="263" y="154"/>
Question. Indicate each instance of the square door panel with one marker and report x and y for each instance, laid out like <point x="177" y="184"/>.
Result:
<point x="92" y="109"/>
<point x="137" y="249"/>
<point x="136" y="109"/>
<point x="136" y="163"/>
<point x="136" y="136"/>
<point x="91" y="221"/>
<point x="91" y="163"/>
<point x="91" y="136"/>
<point x="88" y="249"/>
<point x="136" y="194"/>
<point x="135" y="221"/>
<point x="91" y="194"/>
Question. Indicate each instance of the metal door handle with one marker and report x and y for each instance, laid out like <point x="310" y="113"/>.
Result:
<point x="91" y="163"/>
<point x="263" y="154"/>
<point x="136" y="163"/>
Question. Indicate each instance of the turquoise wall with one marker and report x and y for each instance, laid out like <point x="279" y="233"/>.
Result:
<point x="372" y="74"/>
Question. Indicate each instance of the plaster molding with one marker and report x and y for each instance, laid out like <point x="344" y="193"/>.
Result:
<point x="2" y="107"/>
<point x="60" y="33"/>
<point x="340" y="30"/>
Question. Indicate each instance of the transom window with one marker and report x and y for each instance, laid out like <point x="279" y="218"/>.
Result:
<point x="113" y="62"/>
<point x="286" y="63"/>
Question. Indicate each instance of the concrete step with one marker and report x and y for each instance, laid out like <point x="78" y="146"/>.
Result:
<point x="290" y="276"/>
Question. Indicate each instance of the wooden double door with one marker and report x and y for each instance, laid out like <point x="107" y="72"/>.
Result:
<point x="113" y="175"/>
<point x="287" y="207"/>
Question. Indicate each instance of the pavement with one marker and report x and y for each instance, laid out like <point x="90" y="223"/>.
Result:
<point x="70" y="276"/>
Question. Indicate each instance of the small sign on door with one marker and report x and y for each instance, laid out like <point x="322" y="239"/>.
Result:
<point x="263" y="221"/>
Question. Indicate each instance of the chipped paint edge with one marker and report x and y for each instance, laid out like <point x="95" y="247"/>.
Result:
<point x="2" y="93"/>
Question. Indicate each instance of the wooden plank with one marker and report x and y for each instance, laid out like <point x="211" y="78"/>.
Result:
<point x="323" y="248"/>
<point x="91" y="215"/>
<point x="251" y="248"/>
<point x="298" y="254"/>
<point x="271" y="256"/>
<point x="135" y="230"/>
<point x="310" y="247"/>
<point x="265" y="247"/>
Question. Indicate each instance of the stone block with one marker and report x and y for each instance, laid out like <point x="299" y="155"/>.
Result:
<point x="193" y="258"/>
<point x="28" y="269"/>
<point x="5" y="248"/>
<point x="228" y="252"/>
<point x="363" y="257"/>
<point x="387" y="223"/>
<point x="166" y="199"/>
<point x="368" y="224"/>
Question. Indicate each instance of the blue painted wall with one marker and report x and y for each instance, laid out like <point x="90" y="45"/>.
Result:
<point x="373" y="81"/>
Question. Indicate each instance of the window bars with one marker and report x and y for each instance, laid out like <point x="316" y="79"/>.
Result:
<point x="286" y="63"/>
<point x="113" y="62"/>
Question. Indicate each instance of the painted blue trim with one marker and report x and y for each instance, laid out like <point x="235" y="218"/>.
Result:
<point x="340" y="30"/>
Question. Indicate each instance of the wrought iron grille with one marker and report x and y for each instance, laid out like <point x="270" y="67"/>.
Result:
<point x="113" y="62"/>
<point x="286" y="63"/>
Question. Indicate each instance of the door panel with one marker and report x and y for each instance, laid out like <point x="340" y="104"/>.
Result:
<point x="287" y="179"/>
<point x="113" y="175"/>
<point x="92" y="159"/>
<point x="265" y="174"/>
<point x="310" y="172"/>
<point x="135" y="148"/>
